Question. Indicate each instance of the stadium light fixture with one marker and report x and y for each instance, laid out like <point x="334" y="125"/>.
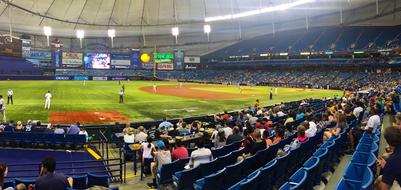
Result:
<point x="207" y="29"/>
<point x="80" y="36"/>
<point x="47" y="30"/>
<point x="175" y="31"/>
<point x="280" y="7"/>
<point x="112" y="34"/>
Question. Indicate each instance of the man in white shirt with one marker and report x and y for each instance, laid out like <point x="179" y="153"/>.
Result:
<point x="48" y="97"/>
<point x="311" y="128"/>
<point x="201" y="155"/>
<point x="154" y="88"/>
<point x="373" y="123"/>
<point x="2" y="108"/>
<point x="10" y="94"/>
<point x="141" y="136"/>
<point x="227" y="130"/>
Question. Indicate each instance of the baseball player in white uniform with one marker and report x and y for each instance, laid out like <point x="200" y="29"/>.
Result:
<point x="10" y="94"/>
<point x="154" y="88"/>
<point x="2" y="108"/>
<point x="48" y="97"/>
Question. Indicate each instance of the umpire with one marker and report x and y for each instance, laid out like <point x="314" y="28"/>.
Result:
<point x="121" y="96"/>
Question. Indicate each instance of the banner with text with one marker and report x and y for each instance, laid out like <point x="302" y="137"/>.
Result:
<point x="191" y="59"/>
<point x="120" y="60"/>
<point x="178" y="59"/>
<point x="164" y="61"/>
<point x="71" y="59"/>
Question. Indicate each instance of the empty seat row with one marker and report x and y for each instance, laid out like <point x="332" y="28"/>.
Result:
<point x="12" y="138"/>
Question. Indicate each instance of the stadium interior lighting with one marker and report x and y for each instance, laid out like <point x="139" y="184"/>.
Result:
<point x="111" y="33"/>
<point x="280" y="7"/>
<point x="80" y="36"/>
<point x="175" y="31"/>
<point x="48" y="32"/>
<point x="207" y="29"/>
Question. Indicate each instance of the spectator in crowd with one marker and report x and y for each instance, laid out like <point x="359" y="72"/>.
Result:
<point x="165" y="125"/>
<point x="58" y="130"/>
<point x="227" y="130"/>
<point x="147" y="148"/>
<point x="220" y="139"/>
<point x="74" y="129"/>
<point x="290" y="119"/>
<point x="348" y="113"/>
<point x="20" y="186"/>
<point x="20" y="126"/>
<point x="279" y="135"/>
<point x="301" y="137"/>
<point x="370" y="126"/>
<point x="248" y="140"/>
<point x="141" y="136"/>
<point x="180" y="151"/>
<point x="341" y="123"/>
<point x="300" y="114"/>
<point x="84" y="132"/>
<point x="127" y="128"/>
<point x="3" y="174"/>
<point x="129" y="137"/>
<point x="358" y="109"/>
<point x="236" y="136"/>
<point x="28" y="126"/>
<point x="161" y="156"/>
<point x="154" y="133"/>
<point x="49" y="179"/>
<point x="259" y="144"/>
<point x="391" y="175"/>
<point x="311" y="128"/>
<point x="200" y="155"/>
<point x="266" y="137"/>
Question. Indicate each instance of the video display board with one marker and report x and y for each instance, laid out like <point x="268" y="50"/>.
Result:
<point x="10" y="47"/>
<point x="97" y="61"/>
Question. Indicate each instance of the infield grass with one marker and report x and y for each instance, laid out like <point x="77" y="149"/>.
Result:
<point x="139" y="105"/>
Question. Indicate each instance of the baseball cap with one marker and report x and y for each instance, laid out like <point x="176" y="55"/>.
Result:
<point x="160" y="144"/>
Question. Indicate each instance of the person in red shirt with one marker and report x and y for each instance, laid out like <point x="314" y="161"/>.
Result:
<point x="301" y="137"/>
<point x="179" y="151"/>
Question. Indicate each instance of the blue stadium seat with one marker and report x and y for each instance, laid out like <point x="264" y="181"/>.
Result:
<point x="80" y="140"/>
<point x="185" y="179"/>
<point x="311" y="166"/>
<point x="227" y="160"/>
<point x="98" y="180"/>
<point x="348" y="185"/>
<point x="368" y="159"/>
<point x="8" y="183"/>
<point x="79" y="182"/>
<point x="266" y="174"/>
<point x="280" y="172"/>
<point x="250" y="164"/>
<point x="293" y="160"/>
<point x="209" y="167"/>
<point x="26" y="182"/>
<point x="359" y="173"/>
<point x="59" y="139"/>
<point x="218" y="152"/>
<point x="298" y="179"/>
<point x="321" y="153"/>
<point x="26" y="138"/>
<point x="211" y="182"/>
<point x="48" y="139"/>
<point x="252" y="182"/>
<point x="164" y="176"/>
<point x="235" y="174"/>
<point x="70" y="139"/>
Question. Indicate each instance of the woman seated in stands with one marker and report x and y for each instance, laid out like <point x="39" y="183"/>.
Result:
<point x="266" y="137"/>
<point x="301" y="137"/>
<point x="248" y="140"/>
<point x="3" y="174"/>
<point x="279" y="134"/>
<point x="259" y="144"/>
<point x="341" y="123"/>
<point x="19" y="126"/>
<point x="220" y="139"/>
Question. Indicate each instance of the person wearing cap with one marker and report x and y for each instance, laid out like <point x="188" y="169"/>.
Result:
<point x="129" y="137"/>
<point x="161" y="156"/>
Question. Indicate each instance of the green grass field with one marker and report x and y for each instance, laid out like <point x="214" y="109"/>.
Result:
<point x="139" y="105"/>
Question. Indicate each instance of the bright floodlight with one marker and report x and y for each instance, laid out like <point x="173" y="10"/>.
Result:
<point x="111" y="33"/>
<point x="207" y="29"/>
<point x="175" y="31"/>
<point x="47" y="30"/>
<point x="80" y="34"/>
<point x="279" y="7"/>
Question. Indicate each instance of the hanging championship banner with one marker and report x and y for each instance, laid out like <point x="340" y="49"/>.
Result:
<point x="178" y="59"/>
<point x="135" y="57"/>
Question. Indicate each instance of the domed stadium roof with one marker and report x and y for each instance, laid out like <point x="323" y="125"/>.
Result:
<point x="157" y="17"/>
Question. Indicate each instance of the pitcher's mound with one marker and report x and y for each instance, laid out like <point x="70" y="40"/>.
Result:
<point x="87" y="117"/>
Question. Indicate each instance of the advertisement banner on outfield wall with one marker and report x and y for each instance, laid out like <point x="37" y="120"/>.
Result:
<point x="70" y="58"/>
<point x="178" y="59"/>
<point x="99" y="78"/>
<point x="191" y="59"/>
<point x="135" y="56"/>
<point x="62" y="78"/>
<point x="81" y="78"/>
<point x="165" y="66"/>
<point x="40" y="55"/>
<point x="118" y="78"/>
<point x="120" y="60"/>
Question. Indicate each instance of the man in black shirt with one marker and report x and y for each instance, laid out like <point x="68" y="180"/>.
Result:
<point x="234" y="137"/>
<point x="49" y="179"/>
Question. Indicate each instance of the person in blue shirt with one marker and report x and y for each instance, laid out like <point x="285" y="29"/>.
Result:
<point x="74" y="129"/>
<point x="391" y="167"/>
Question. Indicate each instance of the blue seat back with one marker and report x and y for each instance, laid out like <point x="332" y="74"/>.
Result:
<point x="187" y="178"/>
<point x="252" y="182"/>
<point x="98" y="180"/>
<point x="79" y="182"/>
<point x="266" y="174"/>
<point x="209" y="167"/>
<point x="234" y="174"/>
<point x="298" y="179"/>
